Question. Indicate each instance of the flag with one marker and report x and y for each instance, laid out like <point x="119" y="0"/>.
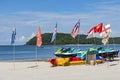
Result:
<point x="105" y="33"/>
<point x="106" y="28"/>
<point x="75" y="29"/>
<point x="105" y="39"/>
<point x="54" y="34"/>
<point x="90" y="33"/>
<point x="39" y="37"/>
<point x="98" y="28"/>
<point x="13" y="35"/>
<point x="95" y="29"/>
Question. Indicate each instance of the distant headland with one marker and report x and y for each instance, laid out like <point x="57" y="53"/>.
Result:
<point x="64" y="39"/>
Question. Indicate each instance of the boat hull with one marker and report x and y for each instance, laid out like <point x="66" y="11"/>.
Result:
<point x="110" y="54"/>
<point x="66" y="55"/>
<point x="69" y="61"/>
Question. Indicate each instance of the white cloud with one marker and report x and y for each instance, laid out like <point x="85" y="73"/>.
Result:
<point x="31" y="36"/>
<point x="27" y="22"/>
<point x="21" y="39"/>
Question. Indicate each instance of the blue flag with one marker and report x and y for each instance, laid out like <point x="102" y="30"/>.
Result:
<point x="13" y="35"/>
<point x="54" y="33"/>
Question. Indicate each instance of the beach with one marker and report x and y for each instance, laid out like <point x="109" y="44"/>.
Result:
<point x="43" y="70"/>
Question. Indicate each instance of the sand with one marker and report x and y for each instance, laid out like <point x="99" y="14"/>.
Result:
<point x="44" y="71"/>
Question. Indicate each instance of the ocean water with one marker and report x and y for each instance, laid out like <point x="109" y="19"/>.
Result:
<point x="23" y="52"/>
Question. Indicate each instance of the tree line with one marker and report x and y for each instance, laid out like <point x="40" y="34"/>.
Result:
<point x="64" y="38"/>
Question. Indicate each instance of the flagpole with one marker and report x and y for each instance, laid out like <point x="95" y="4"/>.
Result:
<point x="36" y="55"/>
<point x="53" y="39"/>
<point x="54" y="42"/>
<point x="75" y="31"/>
<point x="79" y="34"/>
<point x="14" y="56"/>
<point x="54" y="47"/>
<point x="13" y="44"/>
<point x="38" y="43"/>
<point x="14" y="51"/>
<point x="94" y="42"/>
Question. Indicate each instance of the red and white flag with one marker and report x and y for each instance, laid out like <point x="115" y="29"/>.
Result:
<point x="105" y="33"/>
<point x="39" y="37"/>
<point x="105" y="29"/>
<point x="90" y="33"/>
<point x="95" y="29"/>
<point x="98" y="28"/>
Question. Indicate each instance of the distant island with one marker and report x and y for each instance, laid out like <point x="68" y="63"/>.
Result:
<point x="64" y="38"/>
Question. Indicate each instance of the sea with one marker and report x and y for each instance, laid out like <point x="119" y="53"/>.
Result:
<point x="45" y="52"/>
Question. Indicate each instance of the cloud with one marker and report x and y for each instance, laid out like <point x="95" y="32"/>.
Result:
<point x="27" y="22"/>
<point x="31" y="36"/>
<point x="23" y="39"/>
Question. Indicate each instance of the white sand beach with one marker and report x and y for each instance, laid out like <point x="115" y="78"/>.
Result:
<point x="44" y="71"/>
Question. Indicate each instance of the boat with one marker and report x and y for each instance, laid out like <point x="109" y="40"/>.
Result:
<point x="69" y="61"/>
<point x="79" y="59"/>
<point x="71" y="56"/>
<point x="108" y="53"/>
<point x="66" y="61"/>
<point x="67" y="52"/>
<point x="104" y="31"/>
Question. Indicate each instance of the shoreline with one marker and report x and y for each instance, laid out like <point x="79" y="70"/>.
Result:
<point x="25" y="60"/>
<point x="41" y="70"/>
<point x="40" y="60"/>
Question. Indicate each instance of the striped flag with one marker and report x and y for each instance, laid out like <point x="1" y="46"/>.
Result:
<point x="75" y="29"/>
<point x="54" y="34"/>
<point x="39" y="37"/>
<point x="13" y="35"/>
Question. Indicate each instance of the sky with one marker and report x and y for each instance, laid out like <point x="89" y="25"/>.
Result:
<point x="27" y="15"/>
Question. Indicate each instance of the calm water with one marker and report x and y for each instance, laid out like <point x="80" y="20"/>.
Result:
<point x="44" y="52"/>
